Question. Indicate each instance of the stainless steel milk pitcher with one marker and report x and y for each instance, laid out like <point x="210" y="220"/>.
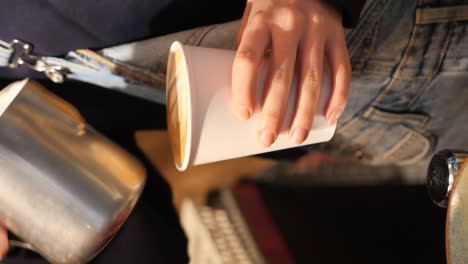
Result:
<point x="64" y="188"/>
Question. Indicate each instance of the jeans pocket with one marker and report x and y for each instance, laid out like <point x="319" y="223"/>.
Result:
<point x="383" y="137"/>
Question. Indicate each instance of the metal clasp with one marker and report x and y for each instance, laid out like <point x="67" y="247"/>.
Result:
<point x="23" y="55"/>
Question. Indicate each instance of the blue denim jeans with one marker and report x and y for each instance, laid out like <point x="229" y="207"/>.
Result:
<point x="409" y="92"/>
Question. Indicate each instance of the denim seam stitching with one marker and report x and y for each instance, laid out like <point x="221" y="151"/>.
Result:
<point x="397" y="146"/>
<point x="378" y="130"/>
<point x="367" y="50"/>
<point x="395" y="74"/>
<point x="408" y="139"/>
<point x="379" y="115"/>
<point x="445" y="20"/>
<point x="190" y="40"/>
<point x="351" y="40"/>
<point x="441" y="14"/>
<point x="362" y="29"/>
<point x="436" y="68"/>
<point x="203" y="34"/>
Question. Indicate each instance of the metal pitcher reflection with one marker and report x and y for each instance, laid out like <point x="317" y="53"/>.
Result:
<point x="64" y="188"/>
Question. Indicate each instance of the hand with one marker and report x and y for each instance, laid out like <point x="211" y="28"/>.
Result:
<point x="299" y="33"/>
<point x="3" y="242"/>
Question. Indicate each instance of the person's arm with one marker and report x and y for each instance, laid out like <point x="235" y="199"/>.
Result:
<point x="302" y="34"/>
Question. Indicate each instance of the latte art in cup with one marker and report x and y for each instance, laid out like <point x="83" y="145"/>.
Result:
<point x="177" y="105"/>
<point x="202" y="127"/>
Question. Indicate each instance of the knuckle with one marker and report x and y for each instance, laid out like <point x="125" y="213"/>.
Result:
<point x="301" y="17"/>
<point x="272" y="115"/>
<point x="285" y="11"/>
<point x="304" y="115"/>
<point x="313" y="91"/>
<point x="297" y="17"/>
<point x="317" y="19"/>
<point x="281" y="76"/>
<point x="312" y="78"/>
<point x="291" y="17"/>
<point x="246" y="55"/>
<point x="259" y="18"/>
<point x="342" y="98"/>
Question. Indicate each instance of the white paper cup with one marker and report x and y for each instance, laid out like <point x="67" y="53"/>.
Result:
<point x="203" y="128"/>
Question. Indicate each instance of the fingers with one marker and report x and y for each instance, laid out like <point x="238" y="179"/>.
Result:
<point x="244" y="69"/>
<point x="243" y="23"/>
<point x="285" y="38"/>
<point x="310" y="83"/>
<point x="338" y="59"/>
<point x="3" y="242"/>
<point x="279" y="26"/>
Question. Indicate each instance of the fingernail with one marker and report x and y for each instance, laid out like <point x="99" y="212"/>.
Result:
<point x="333" y="117"/>
<point x="243" y="113"/>
<point x="267" y="138"/>
<point x="298" y="135"/>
